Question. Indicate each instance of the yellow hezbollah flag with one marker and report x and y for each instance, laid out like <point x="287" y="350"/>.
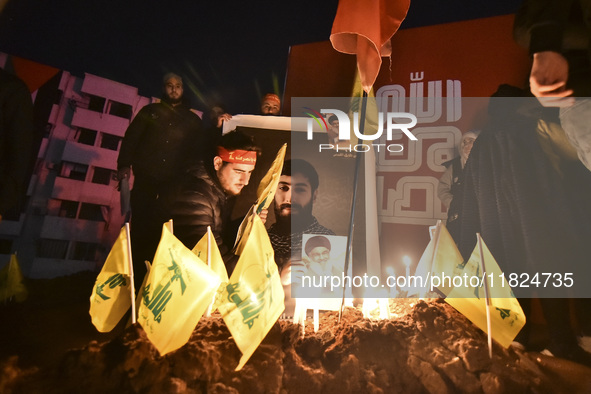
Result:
<point x="265" y="194"/>
<point x="179" y="289"/>
<point x="507" y="317"/>
<point x="253" y="300"/>
<point x="111" y="294"/>
<point x="214" y="257"/>
<point x="11" y="281"/>
<point x="268" y="186"/>
<point x="440" y="259"/>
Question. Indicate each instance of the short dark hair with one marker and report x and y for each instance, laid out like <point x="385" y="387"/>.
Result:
<point x="299" y="166"/>
<point x="236" y="139"/>
<point x="332" y="118"/>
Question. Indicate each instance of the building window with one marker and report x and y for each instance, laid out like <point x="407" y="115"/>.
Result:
<point x="96" y="103"/>
<point x="85" y="251"/>
<point x="110" y="141"/>
<point x="86" y="136"/>
<point x="5" y="246"/>
<point x="102" y="176"/>
<point x="119" y="109"/>
<point x="75" y="171"/>
<point x="52" y="248"/>
<point x="91" y="212"/>
<point x="68" y="209"/>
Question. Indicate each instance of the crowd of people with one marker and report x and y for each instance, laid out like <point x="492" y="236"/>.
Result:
<point x="523" y="182"/>
<point x="185" y="172"/>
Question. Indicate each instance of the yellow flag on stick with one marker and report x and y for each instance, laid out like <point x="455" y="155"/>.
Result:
<point x="11" y="282"/>
<point x="506" y="316"/>
<point x="253" y="300"/>
<point x="111" y="294"/>
<point x="179" y="289"/>
<point x="440" y="259"/>
<point x="211" y="255"/>
<point x="268" y="186"/>
<point x="265" y="194"/>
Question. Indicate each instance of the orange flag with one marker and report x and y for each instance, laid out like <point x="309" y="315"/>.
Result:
<point x="364" y="28"/>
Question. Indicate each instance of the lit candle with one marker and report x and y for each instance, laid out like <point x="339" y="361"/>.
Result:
<point x="390" y="271"/>
<point x="406" y="261"/>
<point x="316" y="320"/>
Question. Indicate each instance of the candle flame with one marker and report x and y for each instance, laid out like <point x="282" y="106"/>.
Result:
<point x="406" y="260"/>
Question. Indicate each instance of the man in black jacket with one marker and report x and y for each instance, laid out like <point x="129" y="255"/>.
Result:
<point x="159" y="144"/>
<point x="205" y="195"/>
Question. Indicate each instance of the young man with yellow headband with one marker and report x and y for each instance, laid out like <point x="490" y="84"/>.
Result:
<point x="205" y="195"/>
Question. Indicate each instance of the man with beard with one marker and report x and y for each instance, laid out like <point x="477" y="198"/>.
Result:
<point x="158" y="145"/>
<point x="294" y="200"/>
<point x="206" y="193"/>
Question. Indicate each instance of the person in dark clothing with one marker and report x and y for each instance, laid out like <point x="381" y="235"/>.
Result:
<point x="160" y="143"/>
<point x="449" y="189"/>
<point x="17" y="134"/>
<point x="533" y="218"/>
<point x="205" y="195"/>
<point x="557" y="34"/>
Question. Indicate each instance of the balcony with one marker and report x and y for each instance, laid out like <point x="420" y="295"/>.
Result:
<point x="111" y="90"/>
<point x="100" y="121"/>
<point x="73" y="190"/>
<point x="92" y="155"/>
<point x="55" y="227"/>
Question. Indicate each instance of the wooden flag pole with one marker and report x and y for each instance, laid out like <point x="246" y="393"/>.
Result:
<point x="131" y="276"/>
<point x="486" y="295"/>
<point x="209" y="308"/>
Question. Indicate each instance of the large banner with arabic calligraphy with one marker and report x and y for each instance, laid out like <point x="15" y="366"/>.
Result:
<point x="442" y="74"/>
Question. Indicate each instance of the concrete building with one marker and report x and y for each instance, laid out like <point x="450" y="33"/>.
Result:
<point x="72" y="216"/>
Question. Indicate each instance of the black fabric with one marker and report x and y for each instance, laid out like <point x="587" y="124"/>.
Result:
<point x="455" y="207"/>
<point x="563" y="27"/>
<point x="17" y="134"/>
<point x="159" y="145"/>
<point x="551" y="25"/>
<point x="161" y="142"/>
<point x="531" y="219"/>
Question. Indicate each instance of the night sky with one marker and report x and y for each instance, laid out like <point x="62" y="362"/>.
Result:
<point x="230" y="52"/>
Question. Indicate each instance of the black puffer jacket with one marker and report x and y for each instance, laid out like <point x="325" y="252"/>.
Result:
<point x="198" y="201"/>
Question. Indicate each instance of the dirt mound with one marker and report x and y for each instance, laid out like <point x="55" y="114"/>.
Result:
<point x="426" y="347"/>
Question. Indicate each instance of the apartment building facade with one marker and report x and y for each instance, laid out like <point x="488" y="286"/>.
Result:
<point x="72" y="215"/>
